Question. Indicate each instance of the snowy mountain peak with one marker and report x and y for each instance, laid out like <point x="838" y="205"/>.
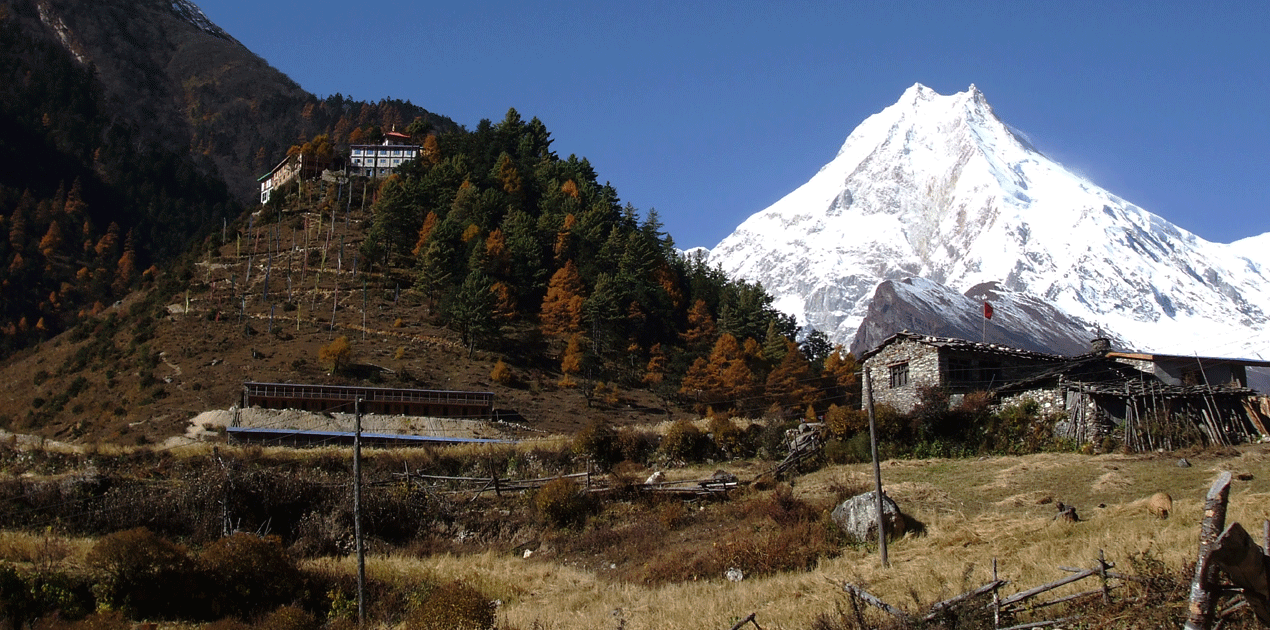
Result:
<point x="938" y="187"/>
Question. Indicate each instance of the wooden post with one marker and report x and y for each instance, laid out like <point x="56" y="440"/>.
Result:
<point x="996" y="597"/>
<point x="357" y="511"/>
<point x="1203" y="596"/>
<point x="1102" y="573"/>
<point x="877" y="469"/>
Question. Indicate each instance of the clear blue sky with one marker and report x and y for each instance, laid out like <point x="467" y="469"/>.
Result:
<point x="710" y="111"/>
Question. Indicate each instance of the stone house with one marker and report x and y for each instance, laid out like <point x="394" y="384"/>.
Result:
<point x="905" y="362"/>
<point x="1148" y="401"/>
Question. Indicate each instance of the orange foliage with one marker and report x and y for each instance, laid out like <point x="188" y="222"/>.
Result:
<point x="429" y="224"/>
<point x="701" y="328"/>
<point x="562" y="308"/>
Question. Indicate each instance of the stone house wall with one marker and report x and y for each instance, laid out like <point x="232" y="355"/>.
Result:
<point x="922" y="361"/>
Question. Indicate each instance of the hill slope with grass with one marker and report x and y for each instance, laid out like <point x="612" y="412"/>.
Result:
<point x="563" y="558"/>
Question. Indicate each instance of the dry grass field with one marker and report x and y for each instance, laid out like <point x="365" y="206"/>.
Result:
<point x="971" y="511"/>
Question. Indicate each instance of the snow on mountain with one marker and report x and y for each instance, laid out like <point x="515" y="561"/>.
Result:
<point x="191" y="13"/>
<point x="1019" y="320"/>
<point x="938" y="187"/>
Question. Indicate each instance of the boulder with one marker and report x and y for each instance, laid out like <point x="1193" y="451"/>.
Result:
<point x="858" y="517"/>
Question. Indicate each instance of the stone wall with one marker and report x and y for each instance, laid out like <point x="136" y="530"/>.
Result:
<point x="923" y="369"/>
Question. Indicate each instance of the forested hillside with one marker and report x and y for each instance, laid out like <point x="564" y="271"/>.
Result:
<point x="505" y="238"/>
<point x="115" y="165"/>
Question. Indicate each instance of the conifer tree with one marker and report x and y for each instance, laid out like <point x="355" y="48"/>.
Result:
<point x="571" y="362"/>
<point x="562" y="308"/>
<point x="791" y="384"/>
<point x="701" y="329"/>
<point x="471" y="312"/>
<point x="52" y="241"/>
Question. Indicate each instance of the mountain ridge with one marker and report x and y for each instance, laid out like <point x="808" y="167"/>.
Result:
<point x="939" y="187"/>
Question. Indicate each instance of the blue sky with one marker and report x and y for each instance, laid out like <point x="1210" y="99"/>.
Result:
<point x="711" y="111"/>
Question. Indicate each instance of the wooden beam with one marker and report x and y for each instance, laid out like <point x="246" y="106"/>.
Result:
<point x="873" y="600"/>
<point x="1242" y="560"/>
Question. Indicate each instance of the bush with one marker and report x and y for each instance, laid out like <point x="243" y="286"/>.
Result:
<point x="27" y="596"/>
<point x="288" y="618"/>
<point x="250" y="574"/>
<point x="144" y="576"/>
<point x="598" y="442"/>
<point x="772" y="442"/>
<point x="501" y="374"/>
<point x="855" y="450"/>
<point x="684" y="441"/>
<point x="561" y="503"/>
<point x="727" y="436"/>
<point x="455" y="606"/>
<point x="635" y="446"/>
<point x="336" y="355"/>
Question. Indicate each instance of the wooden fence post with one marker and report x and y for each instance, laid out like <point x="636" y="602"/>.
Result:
<point x="996" y="598"/>
<point x="1203" y="591"/>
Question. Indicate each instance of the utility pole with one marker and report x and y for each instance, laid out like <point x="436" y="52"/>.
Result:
<point x="357" y="511"/>
<point x="877" y="468"/>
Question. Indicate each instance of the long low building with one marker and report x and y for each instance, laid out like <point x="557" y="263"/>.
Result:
<point x="380" y="400"/>
<point x="297" y="438"/>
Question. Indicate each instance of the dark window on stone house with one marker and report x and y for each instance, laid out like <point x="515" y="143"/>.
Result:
<point x="960" y="372"/>
<point x="990" y="375"/>
<point x="899" y="375"/>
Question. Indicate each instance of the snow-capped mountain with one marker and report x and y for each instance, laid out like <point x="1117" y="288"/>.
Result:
<point x="938" y="187"/>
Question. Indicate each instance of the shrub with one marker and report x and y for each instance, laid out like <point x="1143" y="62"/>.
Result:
<point x="455" y="606"/>
<point x="855" y="450"/>
<point x="26" y="596"/>
<point x="727" y="436"/>
<point x="772" y="442"/>
<point x="635" y="446"/>
<point x="336" y="355"/>
<point x="598" y="442"/>
<point x="251" y="574"/>
<point x="501" y="374"/>
<point x="288" y="618"/>
<point x="684" y="441"/>
<point x="561" y="503"/>
<point x="144" y="575"/>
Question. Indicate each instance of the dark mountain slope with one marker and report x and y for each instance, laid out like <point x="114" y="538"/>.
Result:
<point x="188" y="86"/>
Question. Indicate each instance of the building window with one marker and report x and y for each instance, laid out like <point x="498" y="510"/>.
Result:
<point x="960" y="372"/>
<point x="899" y="375"/>
<point x="989" y="375"/>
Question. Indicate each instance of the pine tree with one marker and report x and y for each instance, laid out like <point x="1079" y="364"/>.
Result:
<point x="701" y="329"/>
<point x="429" y="224"/>
<point x="497" y="254"/>
<point x="562" y="308"/>
<point x="126" y="269"/>
<point x="791" y="384"/>
<point x="655" y="370"/>
<point x="431" y="150"/>
<point x="471" y="312"/>
<point x="52" y="241"/>
<point x="841" y="373"/>
<point x="571" y="362"/>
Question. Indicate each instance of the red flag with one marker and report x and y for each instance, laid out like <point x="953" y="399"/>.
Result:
<point x="987" y="311"/>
